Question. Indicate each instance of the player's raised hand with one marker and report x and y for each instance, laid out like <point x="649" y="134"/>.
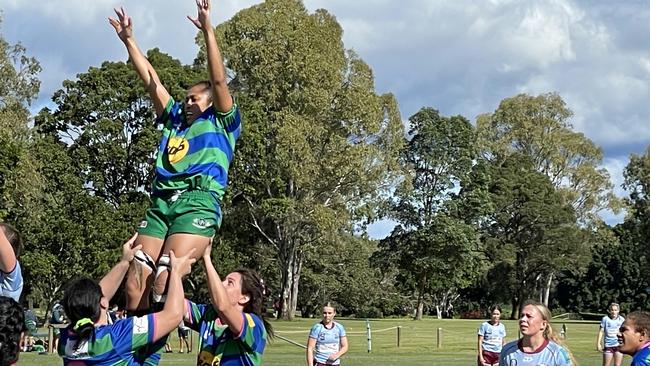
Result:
<point x="123" y="24"/>
<point x="182" y="265"/>
<point x="128" y="250"/>
<point x="202" y="20"/>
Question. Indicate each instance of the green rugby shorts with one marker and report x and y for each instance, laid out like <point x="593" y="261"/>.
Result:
<point x="190" y="212"/>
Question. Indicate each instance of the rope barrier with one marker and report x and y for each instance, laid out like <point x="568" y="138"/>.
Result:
<point x="291" y="341"/>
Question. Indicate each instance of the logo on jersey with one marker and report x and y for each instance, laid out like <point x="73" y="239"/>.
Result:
<point x="177" y="148"/>
<point x="208" y="359"/>
<point x="201" y="223"/>
<point x="140" y="325"/>
<point x="143" y="224"/>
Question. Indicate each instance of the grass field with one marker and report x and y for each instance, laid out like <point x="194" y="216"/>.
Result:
<point x="418" y="344"/>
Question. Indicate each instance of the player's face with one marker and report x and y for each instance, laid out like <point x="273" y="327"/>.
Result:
<point x="328" y="314"/>
<point x="232" y="283"/>
<point x="531" y="321"/>
<point x="613" y="312"/>
<point x="629" y="339"/>
<point x="496" y="316"/>
<point x="197" y="100"/>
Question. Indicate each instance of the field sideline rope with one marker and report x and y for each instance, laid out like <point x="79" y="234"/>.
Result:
<point x="373" y="331"/>
<point x="291" y="341"/>
<point x="354" y="333"/>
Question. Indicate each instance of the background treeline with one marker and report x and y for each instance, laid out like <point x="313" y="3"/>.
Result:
<point x="495" y="211"/>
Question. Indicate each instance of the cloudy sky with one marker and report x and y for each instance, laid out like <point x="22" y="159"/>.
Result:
<point x="459" y="56"/>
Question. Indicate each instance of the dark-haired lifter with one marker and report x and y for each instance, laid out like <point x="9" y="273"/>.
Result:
<point x="12" y="324"/>
<point x="90" y="340"/>
<point x="194" y="154"/>
<point x="233" y="330"/>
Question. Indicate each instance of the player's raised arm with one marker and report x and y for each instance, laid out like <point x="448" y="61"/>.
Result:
<point x="123" y="25"/>
<point x="222" y="100"/>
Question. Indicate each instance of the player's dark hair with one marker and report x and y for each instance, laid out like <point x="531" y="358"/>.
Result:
<point x="495" y="307"/>
<point x="207" y="87"/>
<point x="641" y="321"/>
<point x="252" y="287"/>
<point x="12" y="323"/>
<point x="81" y="302"/>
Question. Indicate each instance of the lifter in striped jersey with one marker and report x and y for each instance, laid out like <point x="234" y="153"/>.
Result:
<point x="195" y="151"/>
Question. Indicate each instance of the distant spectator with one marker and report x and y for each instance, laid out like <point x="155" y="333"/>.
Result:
<point x="634" y="338"/>
<point x="11" y="275"/>
<point x="182" y="337"/>
<point x="12" y="324"/>
<point x="58" y="315"/>
<point x="31" y="328"/>
<point x="607" y="341"/>
<point x="491" y="338"/>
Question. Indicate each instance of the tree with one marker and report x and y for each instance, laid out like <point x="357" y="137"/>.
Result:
<point x="539" y="127"/>
<point x="434" y="252"/>
<point x="434" y="261"/>
<point x="530" y="233"/>
<point x="318" y="146"/>
<point x="19" y="85"/>
<point x="617" y="272"/>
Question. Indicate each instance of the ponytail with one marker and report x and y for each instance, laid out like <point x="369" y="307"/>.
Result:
<point x="81" y="303"/>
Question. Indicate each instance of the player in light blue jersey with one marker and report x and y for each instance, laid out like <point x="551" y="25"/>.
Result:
<point x="634" y="338"/>
<point x="90" y="340"/>
<point x="539" y="344"/>
<point x="327" y="340"/>
<point x="11" y="276"/>
<point x="491" y="338"/>
<point x="609" y="327"/>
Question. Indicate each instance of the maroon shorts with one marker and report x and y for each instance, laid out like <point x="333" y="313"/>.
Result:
<point x="612" y="349"/>
<point x="490" y="358"/>
<point x="321" y="364"/>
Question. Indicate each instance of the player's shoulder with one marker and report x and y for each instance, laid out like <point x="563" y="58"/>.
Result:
<point x="510" y="347"/>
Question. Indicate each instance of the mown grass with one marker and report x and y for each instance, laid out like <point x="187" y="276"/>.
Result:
<point x="418" y="343"/>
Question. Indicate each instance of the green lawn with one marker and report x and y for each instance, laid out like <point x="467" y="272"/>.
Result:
<point x="418" y="345"/>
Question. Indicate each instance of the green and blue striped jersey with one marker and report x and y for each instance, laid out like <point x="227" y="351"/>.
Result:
<point x="218" y="345"/>
<point x="195" y="156"/>
<point x="124" y="343"/>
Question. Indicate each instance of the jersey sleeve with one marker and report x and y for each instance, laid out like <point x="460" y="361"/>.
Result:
<point x="130" y="334"/>
<point x="603" y="322"/>
<point x="341" y="330"/>
<point x="313" y="333"/>
<point x="11" y="283"/>
<point x="253" y="334"/>
<point x="481" y="329"/>
<point x="230" y="121"/>
<point x="194" y="313"/>
<point x="172" y="113"/>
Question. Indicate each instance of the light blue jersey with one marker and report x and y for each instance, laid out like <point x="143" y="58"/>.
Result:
<point x="493" y="336"/>
<point x="328" y="341"/>
<point x="610" y="327"/>
<point x="549" y="354"/>
<point x="11" y="283"/>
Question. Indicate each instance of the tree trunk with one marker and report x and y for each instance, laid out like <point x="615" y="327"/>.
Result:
<point x="420" y="307"/>
<point x="547" y="288"/>
<point x="291" y="261"/>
